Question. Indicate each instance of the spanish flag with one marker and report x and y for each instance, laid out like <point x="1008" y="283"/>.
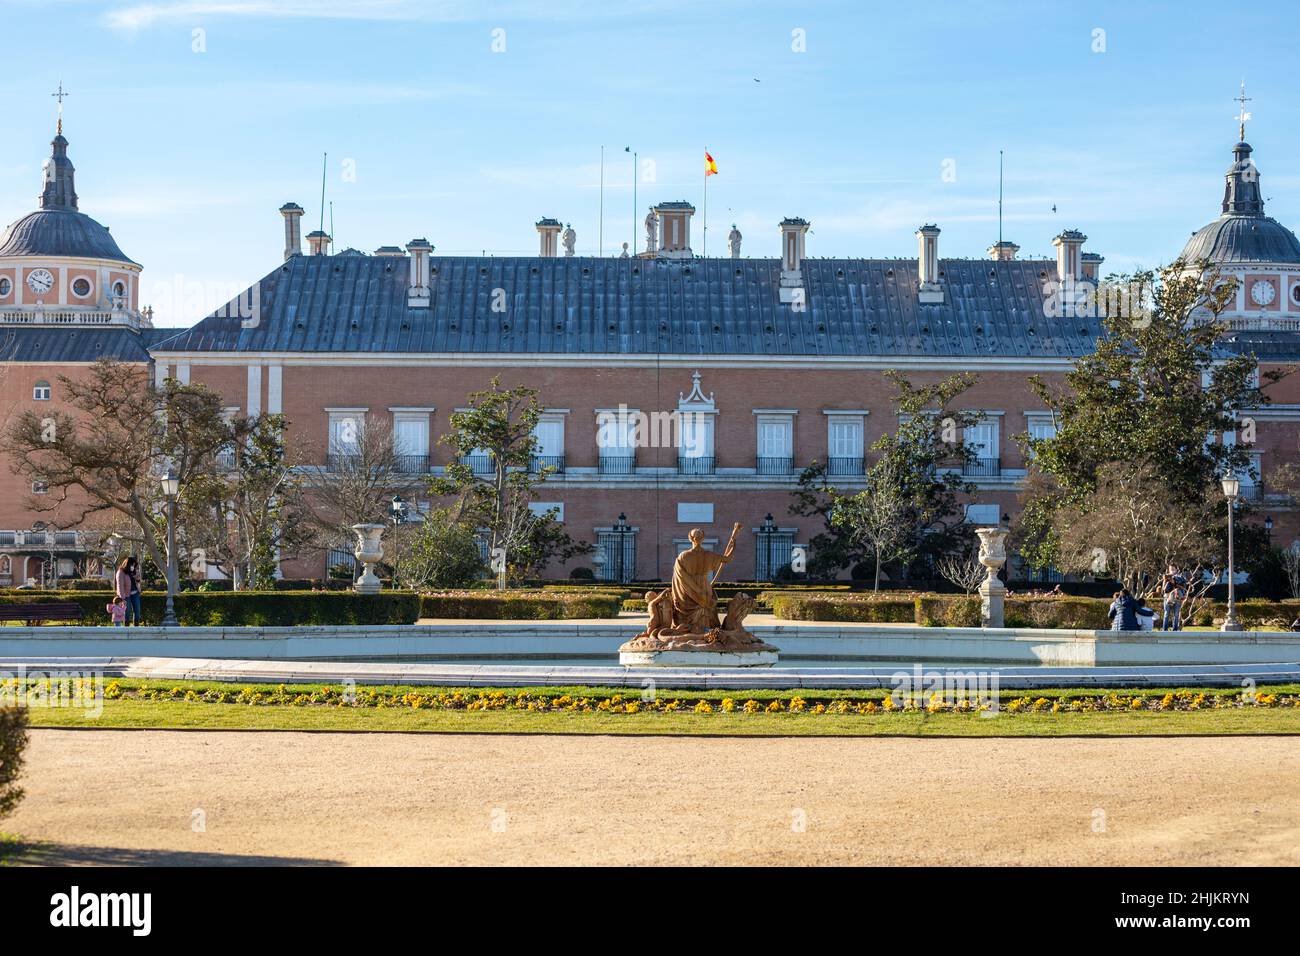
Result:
<point x="710" y="167"/>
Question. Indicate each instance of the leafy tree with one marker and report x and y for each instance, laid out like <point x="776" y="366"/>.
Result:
<point x="910" y="510"/>
<point x="1146" y="410"/>
<point x="441" y="553"/>
<point x="499" y="425"/>
<point x="105" y="456"/>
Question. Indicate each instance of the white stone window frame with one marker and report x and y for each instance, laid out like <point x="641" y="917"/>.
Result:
<point x="782" y="417"/>
<point x="987" y="418"/>
<point x="82" y="296"/>
<point x="552" y="417"/>
<point x="414" y="413"/>
<point x="358" y="415"/>
<point x="846" y="416"/>
<point x="41" y="391"/>
<point x="540" y="508"/>
<point x="618" y="424"/>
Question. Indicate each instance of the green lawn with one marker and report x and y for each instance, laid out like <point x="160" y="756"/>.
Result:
<point x="162" y="705"/>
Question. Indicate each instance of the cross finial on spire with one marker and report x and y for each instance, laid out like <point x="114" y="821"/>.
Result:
<point x="59" y="94"/>
<point x="1242" y="115"/>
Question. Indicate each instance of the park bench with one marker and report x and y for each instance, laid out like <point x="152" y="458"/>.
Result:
<point x="34" y="614"/>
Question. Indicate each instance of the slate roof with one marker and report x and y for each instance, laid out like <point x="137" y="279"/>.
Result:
<point x="39" y="343"/>
<point x="573" y="305"/>
<point x="60" y="232"/>
<point x="1233" y="240"/>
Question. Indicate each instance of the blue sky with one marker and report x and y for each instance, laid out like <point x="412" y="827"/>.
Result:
<point x="187" y="154"/>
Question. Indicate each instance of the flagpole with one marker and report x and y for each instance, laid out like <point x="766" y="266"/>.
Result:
<point x="705" y="253"/>
<point x="600" y="232"/>
<point x="634" y="205"/>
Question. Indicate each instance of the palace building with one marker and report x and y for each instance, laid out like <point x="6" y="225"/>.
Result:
<point x="777" y="361"/>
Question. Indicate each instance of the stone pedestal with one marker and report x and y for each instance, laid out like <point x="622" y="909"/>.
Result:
<point x="993" y="554"/>
<point x="369" y="551"/>
<point x="692" y="658"/>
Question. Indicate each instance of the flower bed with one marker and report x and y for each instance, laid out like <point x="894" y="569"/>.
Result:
<point x="703" y="705"/>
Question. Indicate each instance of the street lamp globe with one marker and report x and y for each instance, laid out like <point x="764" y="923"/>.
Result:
<point x="171" y="483"/>
<point x="1231" y="486"/>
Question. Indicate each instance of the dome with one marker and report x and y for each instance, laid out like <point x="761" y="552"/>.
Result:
<point x="1243" y="234"/>
<point x="60" y="233"/>
<point x="1233" y="240"/>
<point x="57" y="229"/>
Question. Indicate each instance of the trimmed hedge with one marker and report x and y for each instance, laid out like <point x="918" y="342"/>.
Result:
<point x="550" y="605"/>
<point x="847" y="609"/>
<point x="246" y="608"/>
<point x="13" y="740"/>
<point x="1250" y="613"/>
<point x="944" y="610"/>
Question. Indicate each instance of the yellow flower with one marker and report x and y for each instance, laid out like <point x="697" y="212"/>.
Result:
<point x="728" y="705"/>
<point x="703" y="707"/>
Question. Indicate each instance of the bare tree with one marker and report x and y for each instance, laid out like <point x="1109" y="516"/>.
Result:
<point x="963" y="571"/>
<point x="106" y="455"/>
<point x="363" y="471"/>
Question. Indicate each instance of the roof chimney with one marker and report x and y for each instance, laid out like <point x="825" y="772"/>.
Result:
<point x="417" y="292"/>
<point x="675" y="229"/>
<point x="548" y="230"/>
<point x="318" y="242"/>
<point x="1069" y="245"/>
<point x="792" y="247"/>
<point x="1092" y="265"/>
<point x="292" y="213"/>
<point x="927" y="265"/>
<point x="1004" y="250"/>
<point x="391" y="251"/>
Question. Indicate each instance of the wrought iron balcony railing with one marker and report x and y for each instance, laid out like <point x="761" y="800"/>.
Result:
<point x="982" y="468"/>
<point x="617" y="464"/>
<point x="844" y="466"/>
<point x="555" y="462"/>
<point x="695" y="464"/>
<point x="412" y="464"/>
<point x="768" y="465"/>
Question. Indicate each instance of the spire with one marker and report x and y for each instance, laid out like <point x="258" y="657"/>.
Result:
<point x="59" y="191"/>
<point x="1242" y="115"/>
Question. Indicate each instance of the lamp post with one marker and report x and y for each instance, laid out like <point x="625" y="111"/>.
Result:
<point x="768" y="531"/>
<point x="1231" y="489"/>
<point x="621" y="530"/>
<point x="171" y="486"/>
<point x="397" y="511"/>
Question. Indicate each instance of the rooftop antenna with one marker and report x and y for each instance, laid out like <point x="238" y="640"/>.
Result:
<point x="59" y="95"/>
<point x="324" y="160"/>
<point x="999" y="197"/>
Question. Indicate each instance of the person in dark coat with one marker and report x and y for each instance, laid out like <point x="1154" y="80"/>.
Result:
<point x="1124" y="611"/>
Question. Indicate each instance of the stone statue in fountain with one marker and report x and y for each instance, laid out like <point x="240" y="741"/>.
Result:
<point x="684" y="628"/>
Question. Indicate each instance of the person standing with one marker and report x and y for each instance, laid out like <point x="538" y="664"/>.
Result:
<point x="1174" y="587"/>
<point x="127" y="587"/>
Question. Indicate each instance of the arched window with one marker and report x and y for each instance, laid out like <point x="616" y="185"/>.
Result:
<point x="119" y="288"/>
<point x="41" y="391"/>
<point x="6" y="286"/>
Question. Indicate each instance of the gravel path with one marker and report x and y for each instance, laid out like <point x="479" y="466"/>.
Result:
<point x="207" y="797"/>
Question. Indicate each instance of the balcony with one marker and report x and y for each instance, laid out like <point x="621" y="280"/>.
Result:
<point x="695" y="464"/>
<point x="617" y="464"/>
<point x="225" y="460"/>
<point x="479" y="464"/>
<point x="982" y="468"/>
<point x="411" y="464"/>
<point x="341" y="461"/>
<point x="841" y="467"/>
<point x="553" y="462"/>
<point x="766" y="465"/>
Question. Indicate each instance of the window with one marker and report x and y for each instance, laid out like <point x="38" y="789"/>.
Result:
<point x="81" y="287"/>
<point x="411" y="441"/>
<point x="619" y="552"/>
<point x="616" y="441"/>
<point x="119" y="288"/>
<point x="345" y="436"/>
<point x="549" y="434"/>
<point x="40" y="487"/>
<point x="775" y="444"/>
<point x="987" y="514"/>
<point x="1041" y="427"/>
<point x="6" y="286"/>
<point x="540" y="508"/>
<point x="41" y="391"/>
<point x="982" y="440"/>
<point x="844" y="444"/>
<point x="694" y="513"/>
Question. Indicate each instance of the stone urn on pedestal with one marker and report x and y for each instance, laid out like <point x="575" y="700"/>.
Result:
<point x="993" y="554"/>
<point x="369" y="551"/>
